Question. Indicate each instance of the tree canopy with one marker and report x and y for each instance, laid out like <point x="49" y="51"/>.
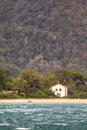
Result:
<point x="31" y="83"/>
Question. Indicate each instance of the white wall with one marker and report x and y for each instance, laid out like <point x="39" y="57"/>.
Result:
<point x="59" y="90"/>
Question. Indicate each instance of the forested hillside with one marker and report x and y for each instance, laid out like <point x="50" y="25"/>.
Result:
<point x="44" y="35"/>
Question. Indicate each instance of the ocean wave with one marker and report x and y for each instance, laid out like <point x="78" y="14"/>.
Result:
<point x="4" y="124"/>
<point x="20" y="128"/>
<point x="61" y="124"/>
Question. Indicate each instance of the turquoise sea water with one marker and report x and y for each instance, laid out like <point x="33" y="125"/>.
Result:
<point x="43" y="117"/>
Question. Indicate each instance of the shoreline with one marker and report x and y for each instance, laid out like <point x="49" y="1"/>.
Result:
<point x="43" y="101"/>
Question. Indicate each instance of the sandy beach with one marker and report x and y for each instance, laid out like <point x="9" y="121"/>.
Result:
<point x="44" y="101"/>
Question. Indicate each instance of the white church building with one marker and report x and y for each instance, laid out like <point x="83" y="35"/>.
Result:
<point x="59" y="90"/>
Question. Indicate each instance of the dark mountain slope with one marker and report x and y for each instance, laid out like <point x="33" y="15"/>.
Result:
<point x="45" y="35"/>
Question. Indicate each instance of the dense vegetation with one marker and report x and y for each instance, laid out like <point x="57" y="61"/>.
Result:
<point x="44" y="35"/>
<point x="34" y="84"/>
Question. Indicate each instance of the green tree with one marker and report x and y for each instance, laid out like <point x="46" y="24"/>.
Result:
<point x="51" y="79"/>
<point x="29" y="81"/>
<point x="9" y="83"/>
<point x="74" y="80"/>
<point x="2" y="79"/>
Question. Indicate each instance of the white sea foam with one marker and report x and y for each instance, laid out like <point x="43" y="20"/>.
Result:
<point x="20" y="128"/>
<point x="62" y="124"/>
<point x="40" y="114"/>
<point x="1" y="112"/>
<point x="4" y="124"/>
<point x="73" y="121"/>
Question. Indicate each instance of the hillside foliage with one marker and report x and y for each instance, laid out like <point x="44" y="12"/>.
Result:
<point x="44" y="35"/>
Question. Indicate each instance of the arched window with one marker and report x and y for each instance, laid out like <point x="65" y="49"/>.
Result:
<point x="60" y="89"/>
<point x="56" y="89"/>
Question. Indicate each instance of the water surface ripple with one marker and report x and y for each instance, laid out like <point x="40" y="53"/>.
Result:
<point x="43" y="116"/>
